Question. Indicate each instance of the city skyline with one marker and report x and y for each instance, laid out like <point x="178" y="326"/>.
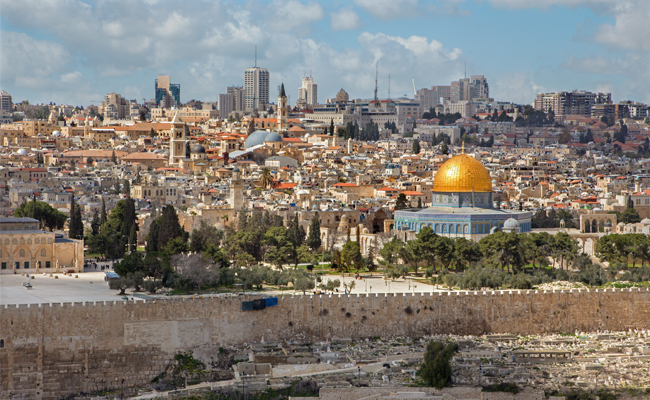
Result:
<point x="86" y="50"/>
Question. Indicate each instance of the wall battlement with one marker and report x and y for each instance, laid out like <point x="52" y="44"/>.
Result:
<point x="53" y="350"/>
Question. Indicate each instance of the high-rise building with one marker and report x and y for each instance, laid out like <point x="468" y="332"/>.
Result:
<point x="167" y="94"/>
<point x="225" y="104"/>
<point x="115" y="107"/>
<point x="578" y="102"/>
<point x="308" y="93"/>
<point x="5" y="101"/>
<point x="430" y="98"/>
<point x="342" y="96"/>
<point x="237" y="93"/>
<point x="256" y="88"/>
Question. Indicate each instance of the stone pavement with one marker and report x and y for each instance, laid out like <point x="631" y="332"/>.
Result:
<point x="89" y="286"/>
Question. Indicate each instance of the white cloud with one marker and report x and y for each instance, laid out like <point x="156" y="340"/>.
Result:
<point x="388" y="9"/>
<point x="344" y="19"/>
<point x="295" y="16"/>
<point x="30" y="60"/>
<point x="518" y="87"/>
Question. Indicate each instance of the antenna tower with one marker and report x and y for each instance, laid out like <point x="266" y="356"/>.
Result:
<point x="376" y="77"/>
<point x="255" y="56"/>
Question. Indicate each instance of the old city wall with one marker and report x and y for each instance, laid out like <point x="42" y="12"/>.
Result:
<point x="53" y="350"/>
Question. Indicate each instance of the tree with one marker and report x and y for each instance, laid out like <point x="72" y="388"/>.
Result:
<point x="168" y="227"/>
<point x="197" y="269"/>
<point x="266" y="178"/>
<point x="444" y="149"/>
<point x="313" y="240"/>
<point x="630" y="216"/>
<point x="331" y="127"/>
<point x="95" y="224"/>
<point x="131" y="264"/>
<point x="279" y="247"/>
<point x="151" y="244"/>
<point x="401" y="202"/>
<point x="50" y="217"/>
<point x="75" y="226"/>
<point x="103" y="216"/>
<point x="89" y="161"/>
<point x="391" y="251"/>
<point x="126" y="188"/>
<point x="416" y="147"/>
<point x="296" y="236"/>
<point x="133" y="237"/>
<point x="564" y="137"/>
<point x="436" y="369"/>
<point x="304" y="284"/>
<point x="175" y="246"/>
<point x="351" y="256"/>
<point x="203" y="236"/>
<point x="113" y="157"/>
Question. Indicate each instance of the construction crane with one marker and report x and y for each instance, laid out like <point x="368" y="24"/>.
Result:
<point x="414" y="91"/>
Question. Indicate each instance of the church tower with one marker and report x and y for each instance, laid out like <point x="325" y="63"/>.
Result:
<point x="178" y="141"/>
<point x="283" y="111"/>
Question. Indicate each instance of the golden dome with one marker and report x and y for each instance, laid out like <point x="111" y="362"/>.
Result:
<point x="462" y="173"/>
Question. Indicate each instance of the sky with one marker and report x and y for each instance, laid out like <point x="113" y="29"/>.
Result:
<point x="77" y="51"/>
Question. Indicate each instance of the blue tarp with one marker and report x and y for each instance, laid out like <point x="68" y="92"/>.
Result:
<point x="271" y="301"/>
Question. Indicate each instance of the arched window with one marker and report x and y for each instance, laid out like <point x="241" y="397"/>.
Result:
<point x="452" y="229"/>
<point x="22" y="253"/>
<point x="14" y="241"/>
<point x="6" y="242"/>
<point x="49" y="240"/>
<point x="37" y="241"/>
<point x="22" y="240"/>
<point x="43" y="253"/>
<point x="29" y="241"/>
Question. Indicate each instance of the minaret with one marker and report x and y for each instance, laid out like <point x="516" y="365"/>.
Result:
<point x="283" y="111"/>
<point x="87" y="127"/>
<point x="178" y="140"/>
<point x="236" y="190"/>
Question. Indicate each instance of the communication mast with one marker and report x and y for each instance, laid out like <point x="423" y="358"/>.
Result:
<point x="376" y="80"/>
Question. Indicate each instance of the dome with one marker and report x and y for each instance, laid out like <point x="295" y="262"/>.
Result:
<point x="22" y="152"/>
<point x="511" y="223"/>
<point x="56" y="133"/>
<point x="198" y="149"/>
<point x="259" y="137"/>
<point x="462" y="173"/>
<point x="645" y="221"/>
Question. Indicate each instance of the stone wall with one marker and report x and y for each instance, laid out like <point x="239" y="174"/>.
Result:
<point x="54" y="350"/>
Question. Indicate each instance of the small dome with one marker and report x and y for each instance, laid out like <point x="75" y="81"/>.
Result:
<point x="198" y="149"/>
<point x="511" y="223"/>
<point x="645" y="221"/>
<point x="124" y="137"/>
<point x="22" y="152"/>
<point x="235" y="169"/>
<point x="56" y="133"/>
<point x="200" y="206"/>
<point x="302" y="191"/>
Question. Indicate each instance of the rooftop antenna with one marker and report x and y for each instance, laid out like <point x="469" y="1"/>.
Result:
<point x="255" y="56"/>
<point x="376" y="77"/>
<point x="388" y="86"/>
<point x="465" y="69"/>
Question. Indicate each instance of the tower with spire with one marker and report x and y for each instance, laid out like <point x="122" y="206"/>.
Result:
<point x="283" y="111"/>
<point x="178" y="141"/>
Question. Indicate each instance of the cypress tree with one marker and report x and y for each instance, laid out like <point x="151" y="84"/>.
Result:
<point x="313" y="240"/>
<point x="152" y="237"/>
<point x="104" y="216"/>
<point x="72" y="225"/>
<point x="169" y="227"/>
<point x="95" y="224"/>
<point x="133" y="238"/>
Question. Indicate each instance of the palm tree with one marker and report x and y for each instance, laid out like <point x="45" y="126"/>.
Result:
<point x="266" y="177"/>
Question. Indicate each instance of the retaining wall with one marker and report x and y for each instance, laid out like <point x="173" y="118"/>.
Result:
<point x="54" y="350"/>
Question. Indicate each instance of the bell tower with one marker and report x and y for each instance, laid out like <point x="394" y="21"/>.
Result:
<point x="283" y="111"/>
<point x="178" y="141"/>
<point x="236" y="190"/>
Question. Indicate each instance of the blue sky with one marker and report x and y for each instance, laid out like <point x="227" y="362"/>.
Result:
<point x="75" y="51"/>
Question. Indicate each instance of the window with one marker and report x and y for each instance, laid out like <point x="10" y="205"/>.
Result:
<point x="6" y="242"/>
<point x="22" y="240"/>
<point x="29" y="241"/>
<point x="47" y="264"/>
<point x="16" y="265"/>
<point x="37" y="241"/>
<point x="3" y="265"/>
<point x="43" y="253"/>
<point x="26" y="264"/>
<point x="22" y="253"/>
<point x="14" y="241"/>
<point x="49" y="241"/>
